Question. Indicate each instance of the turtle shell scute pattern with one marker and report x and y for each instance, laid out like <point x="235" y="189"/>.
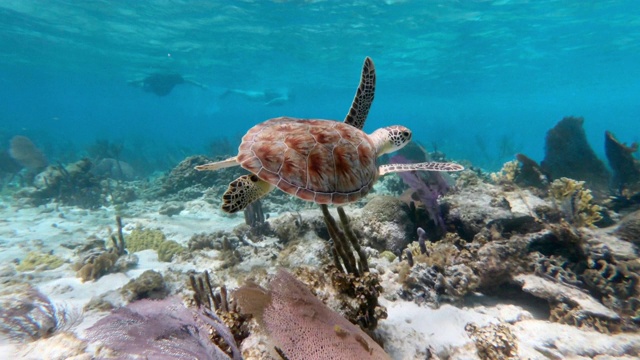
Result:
<point x="323" y="161"/>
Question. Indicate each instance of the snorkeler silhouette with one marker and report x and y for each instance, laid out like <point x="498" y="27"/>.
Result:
<point x="162" y="84"/>
<point x="267" y="97"/>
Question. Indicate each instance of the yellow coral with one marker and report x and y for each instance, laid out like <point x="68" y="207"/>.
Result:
<point x="508" y="172"/>
<point x="140" y="239"/>
<point x="575" y="201"/>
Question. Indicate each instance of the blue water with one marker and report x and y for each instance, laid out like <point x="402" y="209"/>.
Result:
<point x="479" y="80"/>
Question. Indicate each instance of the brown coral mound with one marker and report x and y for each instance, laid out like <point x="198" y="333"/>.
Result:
<point x="568" y="154"/>
<point x="301" y="326"/>
<point x="24" y="151"/>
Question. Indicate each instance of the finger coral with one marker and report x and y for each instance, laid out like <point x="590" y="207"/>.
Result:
<point x="575" y="201"/>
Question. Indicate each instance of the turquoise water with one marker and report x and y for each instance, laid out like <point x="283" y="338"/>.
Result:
<point x="479" y="80"/>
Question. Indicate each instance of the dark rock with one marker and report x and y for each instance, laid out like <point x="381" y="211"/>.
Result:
<point x="626" y="169"/>
<point x="629" y="228"/>
<point x="530" y="173"/>
<point x="568" y="154"/>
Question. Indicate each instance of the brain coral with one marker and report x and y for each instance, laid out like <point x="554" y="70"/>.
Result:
<point x="301" y="326"/>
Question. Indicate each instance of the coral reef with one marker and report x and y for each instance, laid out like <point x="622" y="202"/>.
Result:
<point x="185" y="183"/>
<point x="494" y="341"/>
<point x="159" y="329"/>
<point x="568" y="154"/>
<point x="626" y="169"/>
<point x="301" y="326"/>
<point x="575" y="202"/>
<point x="436" y="271"/>
<point x="142" y="239"/>
<point x="569" y="305"/>
<point x="72" y="184"/>
<point x="39" y="261"/>
<point x="385" y="224"/>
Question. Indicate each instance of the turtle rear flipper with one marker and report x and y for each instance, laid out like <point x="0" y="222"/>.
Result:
<point x="243" y="191"/>
<point x="425" y="166"/>
<point x="364" y="96"/>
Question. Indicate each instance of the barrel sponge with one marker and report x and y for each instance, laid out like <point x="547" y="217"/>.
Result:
<point x="301" y="326"/>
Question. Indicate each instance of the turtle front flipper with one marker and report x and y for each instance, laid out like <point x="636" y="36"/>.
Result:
<point x="364" y="96"/>
<point x="218" y="165"/>
<point x="243" y="191"/>
<point x="425" y="166"/>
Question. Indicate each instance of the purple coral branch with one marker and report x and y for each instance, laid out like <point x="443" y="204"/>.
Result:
<point x="429" y="186"/>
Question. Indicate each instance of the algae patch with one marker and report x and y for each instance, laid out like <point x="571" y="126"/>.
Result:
<point x="39" y="261"/>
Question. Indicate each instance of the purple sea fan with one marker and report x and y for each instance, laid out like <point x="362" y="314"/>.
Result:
<point x="161" y="329"/>
<point x="428" y="186"/>
<point x="28" y="314"/>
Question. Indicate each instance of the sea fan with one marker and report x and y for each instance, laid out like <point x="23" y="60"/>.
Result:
<point x="28" y="314"/>
<point x="162" y="329"/>
<point x="428" y="186"/>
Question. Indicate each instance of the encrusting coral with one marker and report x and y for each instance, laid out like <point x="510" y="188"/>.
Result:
<point x="149" y="285"/>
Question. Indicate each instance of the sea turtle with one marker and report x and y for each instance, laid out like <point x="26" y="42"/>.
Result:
<point x="323" y="161"/>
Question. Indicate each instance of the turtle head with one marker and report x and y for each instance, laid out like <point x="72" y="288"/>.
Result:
<point x="391" y="138"/>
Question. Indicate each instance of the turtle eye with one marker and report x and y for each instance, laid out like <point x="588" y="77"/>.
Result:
<point x="406" y="134"/>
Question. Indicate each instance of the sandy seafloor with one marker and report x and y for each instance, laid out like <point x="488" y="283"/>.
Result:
<point x="408" y="331"/>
